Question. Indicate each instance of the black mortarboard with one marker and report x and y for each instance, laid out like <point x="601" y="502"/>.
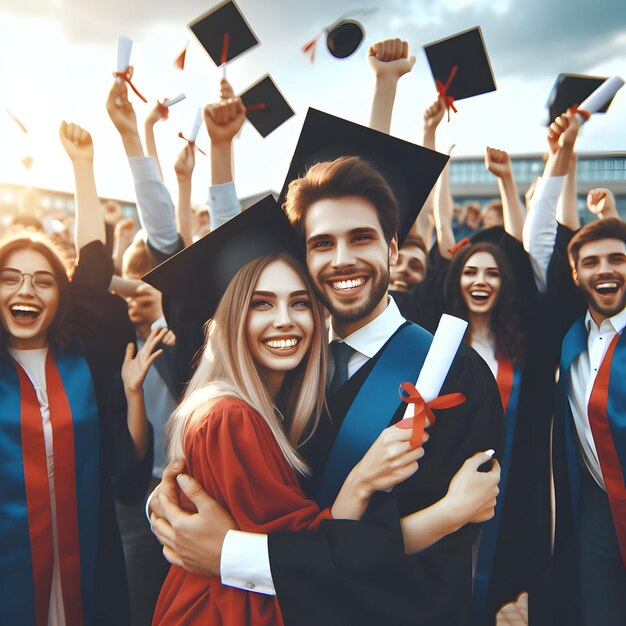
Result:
<point x="266" y="108"/>
<point x="569" y="90"/>
<point x="410" y="170"/>
<point x="467" y="53"/>
<point x="343" y="39"/>
<point x="224" y="32"/>
<point x="198" y="276"/>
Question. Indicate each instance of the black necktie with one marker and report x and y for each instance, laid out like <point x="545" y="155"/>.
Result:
<point x="341" y="354"/>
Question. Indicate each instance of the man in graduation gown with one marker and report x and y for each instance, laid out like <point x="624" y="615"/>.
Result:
<point x="355" y="572"/>
<point x="590" y="436"/>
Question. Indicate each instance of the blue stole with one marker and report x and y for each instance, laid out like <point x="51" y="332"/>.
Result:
<point x="565" y="437"/>
<point x="491" y="529"/>
<point x="374" y="405"/>
<point x="18" y="548"/>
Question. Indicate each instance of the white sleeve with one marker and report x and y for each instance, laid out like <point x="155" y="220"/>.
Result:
<point x="245" y="562"/>
<point x="154" y="205"/>
<point x="223" y="203"/>
<point x="540" y="226"/>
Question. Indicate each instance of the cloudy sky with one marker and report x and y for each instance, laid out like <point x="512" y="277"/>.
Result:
<point x="56" y="58"/>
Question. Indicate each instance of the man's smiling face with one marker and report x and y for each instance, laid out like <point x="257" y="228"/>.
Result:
<point x="348" y="259"/>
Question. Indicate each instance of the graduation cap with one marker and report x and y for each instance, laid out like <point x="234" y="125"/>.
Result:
<point x="343" y="37"/>
<point x="266" y="108"/>
<point x="460" y="66"/>
<point x="198" y="276"/>
<point x="224" y="32"/>
<point x="570" y="90"/>
<point x="410" y="170"/>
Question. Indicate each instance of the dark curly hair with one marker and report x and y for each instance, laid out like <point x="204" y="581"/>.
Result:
<point x="59" y="332"/>
<point x="505" y="322"/>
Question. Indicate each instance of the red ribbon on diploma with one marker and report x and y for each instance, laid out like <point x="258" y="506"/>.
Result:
<point x="165" y="111"/>
<point x="442" y="90"/>
<point x="460" y="244"/>
<point x="584" y="114"/>
<point x="192" y="143"/>
<point x="125" y="76"/>
<point x="423" y="409"/>
<point x="309" y="48"/>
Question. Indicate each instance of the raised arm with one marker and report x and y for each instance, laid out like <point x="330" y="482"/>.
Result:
<point x="567" y="206"/>
<point x="601" y="203"/>
<point x="184" y="169"/>
<point x="389" y="60"/>
<point x="540" y="226"/>
<point x="154" y="204"/>
<point x="89" y="222"/>
<point x="443" y="213"/>
<point x="223" y="120"/>
<point x="499" y="164"/>
<point x="155" y="115"/>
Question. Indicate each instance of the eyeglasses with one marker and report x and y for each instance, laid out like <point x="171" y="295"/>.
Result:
<point x="42" y="281"/>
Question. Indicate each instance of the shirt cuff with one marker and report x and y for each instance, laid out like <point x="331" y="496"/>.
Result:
<point x="245" y="562"/>
<point x="223" y="203"/>
<point x="148" y="507"/>
<point x="144" y="169"/>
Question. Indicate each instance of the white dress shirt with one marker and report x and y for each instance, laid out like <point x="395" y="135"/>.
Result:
<point x="583" y="376"/>
<point x="156" y="210"/>
<point x="485" y="345"/>
<point x="540" y="226"/>
<point x="245" y="561"/>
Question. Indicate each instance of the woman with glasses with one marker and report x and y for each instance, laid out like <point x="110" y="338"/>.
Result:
<point x="72" y="436"/>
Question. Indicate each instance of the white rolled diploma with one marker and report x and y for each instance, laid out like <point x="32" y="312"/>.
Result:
<point x="443" y="349"/>
<point x="601" y="96"/>
<point x="124" y="48"/>
<point x="168" y="102"/>
<point x="195" y="129"/>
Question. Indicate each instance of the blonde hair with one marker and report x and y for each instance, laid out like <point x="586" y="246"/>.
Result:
<point x="228" y="369"/>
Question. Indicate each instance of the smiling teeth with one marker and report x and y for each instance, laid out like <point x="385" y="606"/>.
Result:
<point x="607" y="286"/>
<point x="281" y="343"/>
<point x="479" y="294"/>
<point x="25" y="308"/>
<point x="348" y="284"/>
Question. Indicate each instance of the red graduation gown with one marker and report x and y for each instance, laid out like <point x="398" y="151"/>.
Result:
<point x="235" y="457"/>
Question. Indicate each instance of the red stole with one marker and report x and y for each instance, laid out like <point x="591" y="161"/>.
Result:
<point x="605" y="446"/>
<point x="38" y="495"/>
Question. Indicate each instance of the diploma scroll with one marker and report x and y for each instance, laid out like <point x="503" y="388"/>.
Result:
<point x="124" y="48"/>
<point x="168" y="102"/>
<point x="601" y="96"/>
<point x="443" y="349"/>
<point x="195" y="129"/>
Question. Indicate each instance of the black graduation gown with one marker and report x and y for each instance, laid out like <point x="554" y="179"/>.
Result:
<point x="102" y="330"/>
<point x="522" y="555"/>
<point x="356" y="572"/>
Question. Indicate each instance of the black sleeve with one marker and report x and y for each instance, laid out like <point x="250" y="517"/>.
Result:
<point x="129" y="477"/>
<point x="348" y="572"/>
<point x="356" y="572"/>
<point x="99" y="319"/>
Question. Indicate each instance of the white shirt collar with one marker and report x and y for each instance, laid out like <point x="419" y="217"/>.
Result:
<point x="618" y="321"/>
<point x="369" y="339"/>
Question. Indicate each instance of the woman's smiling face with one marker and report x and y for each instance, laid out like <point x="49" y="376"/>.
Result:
<point x="29" y="298"/>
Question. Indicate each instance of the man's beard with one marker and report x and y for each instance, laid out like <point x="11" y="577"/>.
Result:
<point x="347" y="313"/>
<point x="592" y="298"/>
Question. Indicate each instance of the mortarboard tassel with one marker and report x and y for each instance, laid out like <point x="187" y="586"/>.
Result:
<point x="309" y="48"/>
<point x="179" y="61"/>
<point x="17" y="121"/>
<point x="460" y="244"/>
